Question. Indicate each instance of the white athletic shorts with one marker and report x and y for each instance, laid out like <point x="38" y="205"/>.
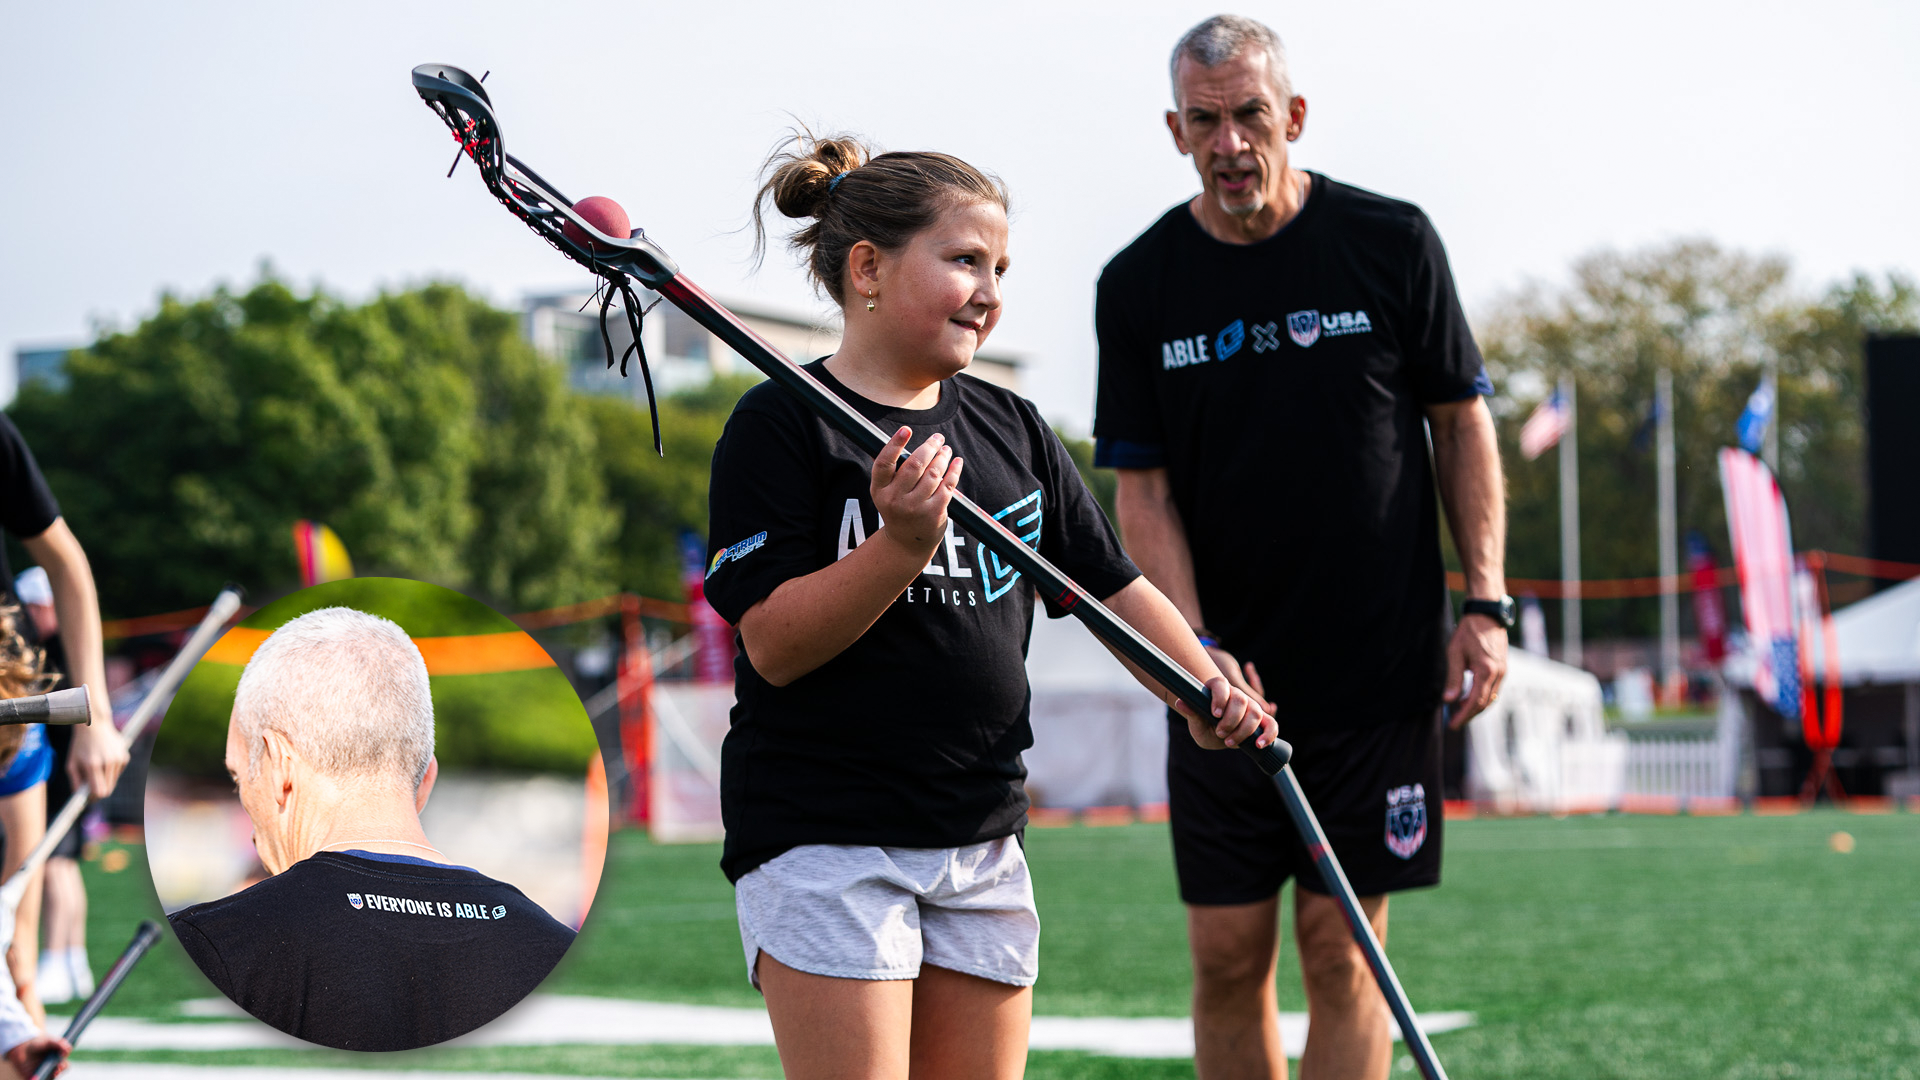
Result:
<point x="880" y="912"/>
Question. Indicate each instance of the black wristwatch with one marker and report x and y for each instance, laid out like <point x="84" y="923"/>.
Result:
<point x="1500" y="611"/>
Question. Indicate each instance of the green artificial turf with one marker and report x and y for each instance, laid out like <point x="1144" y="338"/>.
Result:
<point x="1734" y="948"/>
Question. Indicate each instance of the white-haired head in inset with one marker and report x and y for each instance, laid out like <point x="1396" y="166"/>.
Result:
<point x="330" y="744"/>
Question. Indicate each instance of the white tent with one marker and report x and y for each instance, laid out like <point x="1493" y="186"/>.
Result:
<point x="1878" y="638"/>
<point x="1544" y="745"/>
<point x="1099" y="738"/>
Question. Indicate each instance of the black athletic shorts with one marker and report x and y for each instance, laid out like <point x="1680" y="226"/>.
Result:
<point x="60" y="789"/>
<point x="1376" y="791"/>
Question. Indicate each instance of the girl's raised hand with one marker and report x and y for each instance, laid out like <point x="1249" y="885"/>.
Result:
<point x="912" y="498"/>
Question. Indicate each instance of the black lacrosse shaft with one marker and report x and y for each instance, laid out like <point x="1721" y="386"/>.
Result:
<point x="1335" y="880"/>
<point x="143" y="939"/>
<point x="1000" y="540"/>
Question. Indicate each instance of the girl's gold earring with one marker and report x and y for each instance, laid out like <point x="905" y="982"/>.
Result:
<point x="870" y="304"/>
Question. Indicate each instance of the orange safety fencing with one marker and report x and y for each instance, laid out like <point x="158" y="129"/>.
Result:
<point x="169" y="622"/>
<point x="1725" y="576"/>
<point x="673" y="611"/>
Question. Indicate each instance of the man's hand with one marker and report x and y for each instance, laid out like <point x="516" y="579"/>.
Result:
<point x="1237" y="717"/>
<point x="26" y="1056"/>
<point x="1479" y="645"/>
<point x="98" y="754"/>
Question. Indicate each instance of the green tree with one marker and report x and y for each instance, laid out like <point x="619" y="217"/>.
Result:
<point x="1715" y="318"/>
<point x="419" y="426"/>
<point x="659" y="498"/>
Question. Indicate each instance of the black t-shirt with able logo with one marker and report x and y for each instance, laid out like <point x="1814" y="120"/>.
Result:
<point x="366" y="951"/>
<point x="1281" y="384"/>
<point x="911" y="737"/>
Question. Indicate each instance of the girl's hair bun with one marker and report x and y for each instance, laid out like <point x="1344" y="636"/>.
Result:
<point x="803" y="171"/>
<point x="853" y="195"/>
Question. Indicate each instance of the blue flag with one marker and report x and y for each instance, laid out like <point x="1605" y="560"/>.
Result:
<point x="1758" y="414"/>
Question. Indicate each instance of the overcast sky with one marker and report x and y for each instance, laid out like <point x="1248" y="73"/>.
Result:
<point x="153" y="147"/>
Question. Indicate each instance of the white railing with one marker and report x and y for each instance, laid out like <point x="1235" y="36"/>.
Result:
<point x="1679" y="767"/>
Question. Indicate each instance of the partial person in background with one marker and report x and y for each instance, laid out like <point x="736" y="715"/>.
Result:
<point x="95" y="753"/>
<point x="366" y="937"/>
<point x="1275" y="355"/>
<point x="65" y="973"/>
<point x="23" y="803"/>
<point x="22" y="1041"/>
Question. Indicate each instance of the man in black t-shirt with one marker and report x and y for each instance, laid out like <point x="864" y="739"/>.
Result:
<point x="366" y="937"/>
<point x="1274" y="356"/>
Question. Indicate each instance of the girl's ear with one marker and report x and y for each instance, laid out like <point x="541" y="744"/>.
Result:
<point x="863" y="269"/>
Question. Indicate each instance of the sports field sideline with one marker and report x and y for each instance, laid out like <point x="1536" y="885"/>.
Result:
<point x="1608" y="946"/>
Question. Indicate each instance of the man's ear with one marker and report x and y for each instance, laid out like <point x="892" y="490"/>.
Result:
<point x="425" y="790"/>
<point x="1179" y="139"/>
<point x="277" y="765"/>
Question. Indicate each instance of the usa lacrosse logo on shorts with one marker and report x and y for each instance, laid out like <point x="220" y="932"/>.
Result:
<point x="354" y="899"/>
<point x="1406" y="820"/>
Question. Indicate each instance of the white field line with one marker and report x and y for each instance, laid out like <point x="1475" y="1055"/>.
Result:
<point x="101" y="1070"/>
<point x="554" y="1019"/>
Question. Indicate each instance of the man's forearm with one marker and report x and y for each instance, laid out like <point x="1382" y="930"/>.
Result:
<point x="1473" y="491"/>
<point x="1156" y="538"/>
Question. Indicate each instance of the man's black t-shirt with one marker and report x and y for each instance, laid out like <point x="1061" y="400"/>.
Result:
<point x="1281" y="385"/>
<point x="374" y="952"/>
<point x="27" y="508"/>
<point x="912" y="736"/>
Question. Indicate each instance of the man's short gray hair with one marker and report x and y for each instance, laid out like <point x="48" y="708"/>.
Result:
<point x="349" y="690"/>
<point x="1224" y="37"/>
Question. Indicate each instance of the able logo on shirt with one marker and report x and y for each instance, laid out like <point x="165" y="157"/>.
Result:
<point x="992" y="568"/>
<point x="997" y="576"/>
<point x="439" y="909"/>
<point x="1306" y="327"/>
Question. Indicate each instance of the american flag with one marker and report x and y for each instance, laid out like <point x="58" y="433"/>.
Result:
<point x="1763" y="555"/>
<point x="1544" y="427"/>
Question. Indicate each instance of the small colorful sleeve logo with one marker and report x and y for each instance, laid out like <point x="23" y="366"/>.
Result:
<point x="737" y="552"/>
<point x="354" y="899"/>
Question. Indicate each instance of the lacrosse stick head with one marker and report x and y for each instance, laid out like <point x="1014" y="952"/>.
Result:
<point x="462" y="103"/>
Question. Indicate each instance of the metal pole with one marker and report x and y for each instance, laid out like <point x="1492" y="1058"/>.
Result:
<point x="1570" y="651"/>
<point x="1669" y="541"/>
<point x="1770" y="449"/>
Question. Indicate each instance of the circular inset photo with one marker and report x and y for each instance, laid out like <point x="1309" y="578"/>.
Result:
<point x="368" y="815"/>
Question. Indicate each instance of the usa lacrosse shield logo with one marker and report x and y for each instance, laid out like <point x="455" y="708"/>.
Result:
<point x="354" y="899"/>
<point x="1304" y="327"/>
<point x="1406" y="820"/>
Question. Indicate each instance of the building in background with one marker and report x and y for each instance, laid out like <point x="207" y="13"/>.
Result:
<point x="34" y="363"/>
<point x="681" y="353"/>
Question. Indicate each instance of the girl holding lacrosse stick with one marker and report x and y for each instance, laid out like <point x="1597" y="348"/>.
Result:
<point x="871" y="783"/>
